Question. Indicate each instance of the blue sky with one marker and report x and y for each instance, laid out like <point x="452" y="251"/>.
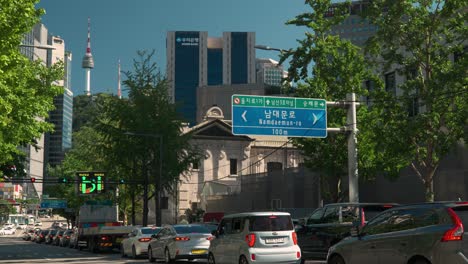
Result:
<point x="119" y="28"/>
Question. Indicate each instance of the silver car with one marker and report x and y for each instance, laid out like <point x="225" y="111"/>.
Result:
<point x="260" y="237"/>
<point x="429" y="233"/>
<point x="136" y="242"/>
<point x="180" y="242"/>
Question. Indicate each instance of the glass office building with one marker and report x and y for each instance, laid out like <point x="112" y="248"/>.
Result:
<point x="194" y="60"/>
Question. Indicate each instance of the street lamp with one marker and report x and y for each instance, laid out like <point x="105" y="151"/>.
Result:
<point x="46" y="47"/>
<point x="264" y="47"/>
<point x="353" y="176"/>
<point x="157" y="208"/>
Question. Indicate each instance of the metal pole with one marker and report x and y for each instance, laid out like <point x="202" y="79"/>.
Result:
<point x="157" y="203"/>
<point x="352" y="151"/>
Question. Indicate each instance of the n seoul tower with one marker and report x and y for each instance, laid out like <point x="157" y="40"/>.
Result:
<point x="88" y="61"/>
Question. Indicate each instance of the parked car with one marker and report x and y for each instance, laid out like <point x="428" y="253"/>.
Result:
<point x="429" y="233"/>
<point x="261" y="237"/>
<point x="328" y="225"/>
<point x="65" y="239"/>
<point x="8" y="230"/>
<point x="35" y="235"/>
<point x="73" y="243"/>
<point x="49" y="238"/>
<point x="136" y="243"/>
<point x="180" y="242"/>
<point x="27" y="234"/>
<point x="38" y="223"/>
<point x="42" y="236"/>
<point x="57" y="237"/>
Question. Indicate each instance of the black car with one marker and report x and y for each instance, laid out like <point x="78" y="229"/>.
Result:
<point x="328" y="225"/>
<point x="427" y="233"/>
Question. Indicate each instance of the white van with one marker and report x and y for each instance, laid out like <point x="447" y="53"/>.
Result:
<point x="257" y="237"/>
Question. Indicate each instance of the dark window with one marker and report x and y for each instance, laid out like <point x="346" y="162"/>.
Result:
<point x="238" y="57"/>
<point x="349" y="214"/>
<point x="233" y="166"/>
<point x="237" y="225"/>
<point x="215" y="66"/>
<point x="186" y="73"/>
<point x="390" y="83"/>
<point x="413" y="107"/>
<point x="370" y="211"/>
<point x="225" y="226"/>
<point x="379" y="224"/>
<point x="164" y="202"/>
<point x="195" y="165"/>
<point x="274" y="166"/>
<point x="191" y="229"/>
<point x="370" y="86"/>
<point x="316" y="217"/>
<point x="148" y="231"/>
<point x="331" y="214"/>
<point x="270" y="223"/>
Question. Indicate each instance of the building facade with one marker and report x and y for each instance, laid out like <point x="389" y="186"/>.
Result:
<point x="195" y="60"/>
<point x="228" y="159"/>
<point x="60" y="140"/>
<point x="270" y="72"/>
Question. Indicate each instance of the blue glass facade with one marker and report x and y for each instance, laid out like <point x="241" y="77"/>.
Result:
<point x="215" y="66"/>
<point x="239" y="57"/>
<point x="186" y="73"/>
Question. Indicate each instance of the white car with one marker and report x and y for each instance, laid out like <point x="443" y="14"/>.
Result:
<point x="255" y="237"/>
<point x="8" y="231"/>
<point x="136" y="243"/>
<point x="180" y="242"/>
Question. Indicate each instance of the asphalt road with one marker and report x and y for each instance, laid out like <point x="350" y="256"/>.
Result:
<point x="15" y="250"/>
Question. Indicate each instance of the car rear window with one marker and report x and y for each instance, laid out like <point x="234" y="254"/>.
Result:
<point x="191" y="229"/>
<point x="372" y="210"/>
<point x="270" y="223"/>
<point x="150" y="231"/>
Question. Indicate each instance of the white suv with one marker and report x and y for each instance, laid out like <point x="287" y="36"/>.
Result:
<point x="260" y="237"/>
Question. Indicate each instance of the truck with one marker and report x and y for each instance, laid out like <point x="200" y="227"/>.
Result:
<point x="99" y="228"/>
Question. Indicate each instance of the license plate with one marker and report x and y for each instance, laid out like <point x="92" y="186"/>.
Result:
<point x="274" y="240"/>
<point x="198" y="251"/>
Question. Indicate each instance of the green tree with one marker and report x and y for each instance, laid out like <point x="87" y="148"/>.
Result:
<point x="133" y="127"/>
<point x="425" y="43"/>
<point x="26" y="87"/>
<point x="326" y="66"/>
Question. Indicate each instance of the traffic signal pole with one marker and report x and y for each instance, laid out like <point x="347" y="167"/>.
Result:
<point x="351" y="129"/>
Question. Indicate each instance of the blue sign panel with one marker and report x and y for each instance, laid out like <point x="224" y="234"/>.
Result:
<point x="279" y="116"/>
<point x="53" y="204"/>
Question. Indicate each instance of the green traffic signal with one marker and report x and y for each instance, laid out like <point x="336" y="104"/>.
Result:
<point x="121" y="181"/>
<point x="63" y="180"/>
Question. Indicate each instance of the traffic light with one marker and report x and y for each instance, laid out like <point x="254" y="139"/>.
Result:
<point x="63" y="180"/>
<point x="121" y="181"/>
<point x="33" y="180"/>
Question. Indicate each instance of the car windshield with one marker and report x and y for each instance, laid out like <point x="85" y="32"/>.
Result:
<point x="270" y="223"/>
<point x="150" y="231"/>
<point x="191" y="229"/>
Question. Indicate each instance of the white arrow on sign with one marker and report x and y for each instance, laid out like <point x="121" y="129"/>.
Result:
<point x="315" y="119"/>
<point x="243" y="116"/>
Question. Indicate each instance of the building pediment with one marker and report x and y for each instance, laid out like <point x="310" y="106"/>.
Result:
<point x="215" y="129"/>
